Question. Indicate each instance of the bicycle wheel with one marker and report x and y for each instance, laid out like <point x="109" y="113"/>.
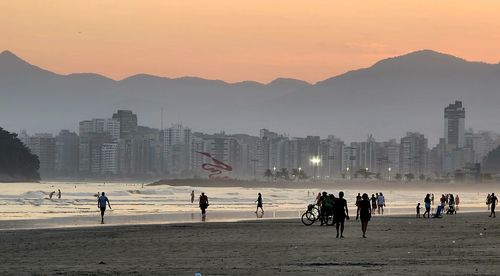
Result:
<point x="308" y="218"/>
<point x="315" y="212"/>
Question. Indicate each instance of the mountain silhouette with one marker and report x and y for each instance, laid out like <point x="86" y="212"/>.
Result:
<point x="395" y="95"/>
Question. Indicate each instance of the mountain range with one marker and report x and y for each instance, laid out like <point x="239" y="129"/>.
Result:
<point x="387" y="99"/>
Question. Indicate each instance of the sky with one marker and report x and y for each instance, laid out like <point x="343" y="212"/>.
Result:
<point x="235" y="40"/>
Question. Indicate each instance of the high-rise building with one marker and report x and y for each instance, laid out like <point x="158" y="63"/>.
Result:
<point x="413" y="154"/>
<point x="43" y="145"/>
<point x="128" y="122"/>
<point x="454" y="125"/>
<point x="177" y="141"/>
<point x="94" y="134"/>
<point x="67" y="146"/>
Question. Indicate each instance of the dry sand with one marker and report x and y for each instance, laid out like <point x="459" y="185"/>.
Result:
<point x="463" y="244"/>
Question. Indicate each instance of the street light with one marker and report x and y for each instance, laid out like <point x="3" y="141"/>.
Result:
<point x="389" y="169"/>
<point x="315" y="160"/>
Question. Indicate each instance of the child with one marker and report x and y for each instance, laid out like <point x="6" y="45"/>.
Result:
<point x="418" y="210"/>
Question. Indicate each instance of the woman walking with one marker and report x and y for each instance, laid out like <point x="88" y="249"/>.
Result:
<point x="203" y="204"/>
<point x="259" y="204"/>
<point x="365" y="213"/>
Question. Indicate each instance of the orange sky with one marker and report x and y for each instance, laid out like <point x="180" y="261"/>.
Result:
<point x="242" y="40"/>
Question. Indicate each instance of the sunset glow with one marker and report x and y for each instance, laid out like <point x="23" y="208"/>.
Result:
<point x="242" y="40"/>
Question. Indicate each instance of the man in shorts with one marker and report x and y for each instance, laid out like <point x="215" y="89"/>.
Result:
<point x="101" y="204"/>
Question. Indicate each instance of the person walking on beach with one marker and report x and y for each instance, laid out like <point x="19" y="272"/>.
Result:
<point x="381" y="203"/>
<point x="259" y="204"/>
<point x="457" y="202"/>
<point x="341" y="213"/>
<point x="58" y="193"/>
<point x="203" y="204"/>
<point x="374" y="204"/>
<point x="488" y="201"/>
<point x="365" y="213"/>
<point x="101" y="204"/>
<point x="493" y="202"/>
<point x="418" y="209"/>
<point x="432" y="199"/>
<point x="358" y="200"/>
<point x="427" y="202"/>
<point x="192" y="196"/>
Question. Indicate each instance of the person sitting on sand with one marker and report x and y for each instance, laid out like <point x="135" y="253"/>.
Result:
<point x="418" y="209"/>
<point x="493" y="202"/>
<point x="101" y="204"/>
<point x="341" y="213"/>
<point x="259" y="203"/>
<point x="374" y="203"/>
<point x="203" y="204"/>
<point x="427" y="202"/>
<point x="365" y="213"/>
<point x="381" y="203"/>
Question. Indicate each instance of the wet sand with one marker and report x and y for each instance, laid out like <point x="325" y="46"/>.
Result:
<point x="465" y="244"/>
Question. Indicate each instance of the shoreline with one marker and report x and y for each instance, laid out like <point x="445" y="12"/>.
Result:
<point x="158" y="219"/>
<point x="396" y="245"/>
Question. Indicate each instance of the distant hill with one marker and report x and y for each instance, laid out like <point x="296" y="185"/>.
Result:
<point x="387" y="99"/>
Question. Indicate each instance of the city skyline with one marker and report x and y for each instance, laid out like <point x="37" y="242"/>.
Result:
<point x="120" y="147"/>
<point x="236" y="41"/>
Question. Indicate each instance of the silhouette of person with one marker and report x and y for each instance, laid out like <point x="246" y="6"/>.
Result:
<point x="259" y="203"/>
<point x="374" y="203"/>
<point x="493" y="202"/>
<point x="358" y="200"/>
<point x="418" y="209"/>
<point x="58" y="193"/>
<point x="203" y="204"/>
<point x="381" y="203"/>
<point x="365" y="213"/>
<point x="341" y="213"/>
<point x="192" y="196"/>
<point x="427" y="202"/>
<point x="101" y="204"/>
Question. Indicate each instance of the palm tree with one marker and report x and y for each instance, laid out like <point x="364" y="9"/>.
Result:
<point x="268" y="174"/>
<point x="399" y="176"/>
<point x="285" y="174"/>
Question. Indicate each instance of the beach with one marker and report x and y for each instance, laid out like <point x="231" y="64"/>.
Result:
<point x="465" y="244"/>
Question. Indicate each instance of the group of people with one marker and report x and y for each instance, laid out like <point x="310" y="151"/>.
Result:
<point x="378" y="203"/>
<point x="447" y="203"/>
<point x="336" y="207"/>
<point x="51" y="194"/>
<point x="203" y="202"/>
